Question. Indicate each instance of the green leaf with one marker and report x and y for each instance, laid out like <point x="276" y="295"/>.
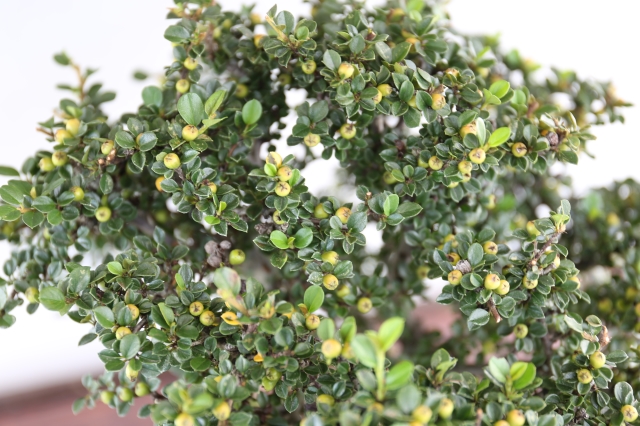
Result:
<point x="214" y="101"/>
<point x="475" y="254"/>
<point x="228" y="279"/>
<point x="32" y="218"/>
<point x="357" y="221"/>
<point x="365" y="350"/>
<point x="43" y="204"/>
<point x="279" y="239"/>
<point x="327" y="329"/>
<point x="400" y="51"/>
<point x="499" y="369"/>
<point x="200" y="364"/>
<point x="617" y="357"/>
<point x="129" y="346"/>
<point x="79" y="279"/>
<point x="303" y="238"/>
<point x="152" y="96"/>
<point x="389" y="332"/>
<point x="191" y="109"/>
<point x="623" y="392"/>
<point x="477" y="319"/>
<point x="313" y="298"/>
<point x="167" y="312"/>
<point x="500" y="88"/>
<point x="251" y="112"/>
<point x="177" y="34"/>
<point x="318" y="111"/>
<point x="409" y="209"/>
<point x="573" y="323"/>
<point x="332" y="60"/>
<point x="115" y="268"/>
<point x="52" y="298"/>
<point x="391" y="204"/>
<point x="147" y="141"/>
<point x="357" y="44"/>
<point x="104" y="316"/>
<point x="125" y="140"/>
<point x="8" y="171"/>
<point x="399" y="375"/>
<point x="499" y="137"/>
<point x="526" y="377"/>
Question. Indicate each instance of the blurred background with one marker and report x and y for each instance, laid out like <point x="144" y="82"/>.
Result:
<point x="40" y="362"/>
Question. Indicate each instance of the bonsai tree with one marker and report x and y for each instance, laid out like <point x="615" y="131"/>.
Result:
<point x="182" y="240"/>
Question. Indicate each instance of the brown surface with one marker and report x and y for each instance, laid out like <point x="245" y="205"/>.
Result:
<point x="52" y="407"/>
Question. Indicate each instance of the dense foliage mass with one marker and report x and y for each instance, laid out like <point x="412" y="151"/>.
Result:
<point x="187" y="243"/>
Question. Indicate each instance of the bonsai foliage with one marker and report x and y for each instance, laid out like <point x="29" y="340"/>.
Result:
<point x="185" y="243"/>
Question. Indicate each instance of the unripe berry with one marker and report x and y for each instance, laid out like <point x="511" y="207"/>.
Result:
<point x="190" y="64"/>
<point x="207" y="318"/>
<point x="412" y="102"/>
<point x="32" y="294"/>
<point x="503" y="288"/>
<point x="325" y="399"/>
<point x="184" y="419"/>
<point x="346" y="70"/>
<point x="501" y="423"/>
<point x="319" y="213"/>
<point x="255" y="18"/>
<point x="274" y="158"/>
<point x="59" y="158"/>
<point x="62" y="134"/>
<point x="135" y="312"/>
<point x="438" y="101"/>
<point x="196" y="308"/>
<point x="330" y="256"/>
<point x="636" y="309"/>
<point x="435" y="163"/>
<point x="468" y="129"/>
<point x="491" y="282"/>
<point x="222" y="411"/>
<point x="477" y="155"/>
<point x="388" y="178"/>
<point x="311" y="140"/>
<point x="171" y="161"/>
<point x="103" y="214"/>
<point x="515" y="418"/>
<point x="331" y="348"/>
<point x="364" y="305"/>
<point x="454" y="277"/>
<point x="531" y="229"/>
<point x="312" y="322"/>
<point x="130" y="373"/>
<point x="183" y="85"/>
<point x="121" y="332"/>
<point x="236" y="257"/>
<point x="159" y="180"/>
<point x="453" y="258"/>
<point x="283" y="189"/>
<point x="142" y="389"/>
<point x="285" y="173"/>
<point x="106" y="397"/>
<point x="309" y="67"/>
<point x="422" y="414"/>
<point x="465" y="167"/>
<point x="521" y="331"/>
<point x="529" y="284"/>
<point x="519" y="149"/>
<point x="343" y="291"/>
<point x="213" y="187"/>
<point x="189" y="133"/>
<point x="597" y="359"/>
<point x="106" y="147"/>
<point x="258" y="39"/>
<point x="241" y="91"/>
<point x="446" y="408"/>
<point x="629" y="413"/>
<point x="33" y="192"/>
<point x="343" y="214"/>
<point x="348" y="131"/>
<point x="125" y="394"/>
<point x="422" y="272"/>
<point x="385" y="89"/>
<point x="284" y="79"/>
<point x="267" y="384"/>
<point x="377" y="97"/>
<point x="78" y="193"/>
<point x="490" y="247"/>
<point x="46" y="165"/>
<point x="330" y="281"/>
<point x="584" y="376"/>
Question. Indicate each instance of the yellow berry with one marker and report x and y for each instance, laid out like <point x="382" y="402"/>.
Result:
<point x="183" y="85"/>
<point x="468" y="129"/>
<point x="189" y="133"/>
<point x="142" y="389"/>
<point x="491" y="282"/>
<point x="311" y="140"/>
<point x="312" y="322"/>
<point x="597" y="360"/>
<point x="346" y="70"/>
<point x="159" y="180"/>
<point x="125" y="394"/>
<point x="503" y="288"/>
<point x="364" y="305"/>
<point x="190" y="64"/>
<point x="103" y="214"/>
<point x="135" y="312"/>
<point x="331" y="348"/>
<point x="477" y="155"/>
<point x="515" y="418"/>
<point x="207" y="318"/>
<point x="377" y="97"/>
<point x="46" y="165"/>
<point x="196" y="308"/>
<point x="184" y="419"/>
<point x="446" y="408"/>
<point x="285" y="173"/>
<point x="106" y="147"/>
<point x="453" y="258"/>
<point x="274" y="158"/>
<point x="330" y="256"/>
<point x="121" y="332"/>
<point x="490" y="247"/>
<point x="78" y="193"/>
<point x="422" y="272"/>
<point x="171" y="161"/>
<point x="343" y="291"/>
<point x="435" y="163"/>
<point x="343" y="214"/>
<point x="519" y="149"/>
<point x="629" y="413"/>
<point x="454" y="277"/>
<point x="465" y="167"/>
<point x="531" y="229"/>
<point x="385" y="89"/>
<point x="330" y="281"/>
<point x="62" y="134"/>
<point x="529" y="284"/>
<point x="32" y="294"/>
<point x="584" y="376"/>
<point x="241" y="91"/>
<point x="422" y="414"/>
<point x="438" y="101"/>
<point x="309" y="67"/>
<point x="412" y="102"/>
<point x="106" y="397"/>
<point x="283" y="189"/>
<point x="325" y="399"/>
<point x="59" y="158"/>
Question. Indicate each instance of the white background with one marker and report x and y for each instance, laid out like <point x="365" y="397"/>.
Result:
<point x="597" y="39"/>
